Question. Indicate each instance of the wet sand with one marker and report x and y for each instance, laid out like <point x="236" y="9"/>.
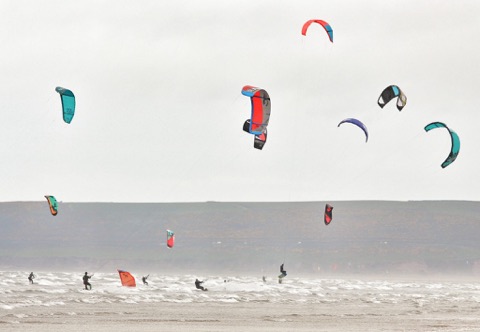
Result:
<point x="252" y="316"/>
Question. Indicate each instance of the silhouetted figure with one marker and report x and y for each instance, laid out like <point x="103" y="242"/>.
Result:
<point x="198" y="284"/>
<point x="282" y="275"/>
<point x="31" y="277"/>
<point x="85" y="281"/>
<point x="282" y="271"/>
<point x="144" y="279"/>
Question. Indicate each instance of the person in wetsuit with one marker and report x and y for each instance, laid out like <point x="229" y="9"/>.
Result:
<point x="85" y="281"/>
<point x="31" y="277"/>
<point x="282" y="275"/>
<point x="198" y="284"/>
<point x="144" y="279"/>
<point x="282" y="271"/>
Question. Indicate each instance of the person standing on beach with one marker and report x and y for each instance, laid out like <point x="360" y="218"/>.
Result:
<point x="85" y="281"/>
<point x="31" y="277"/>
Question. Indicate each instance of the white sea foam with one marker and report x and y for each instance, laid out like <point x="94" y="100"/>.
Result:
<point x="60" y="289"/>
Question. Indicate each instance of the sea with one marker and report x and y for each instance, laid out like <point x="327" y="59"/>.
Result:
<point x="58" y="302"/>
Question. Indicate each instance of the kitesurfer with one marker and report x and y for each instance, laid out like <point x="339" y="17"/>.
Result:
<point x="284" y="273"/>
<point x="85" y="281"/>
<point x="144" y="279"/>
<point x="31" y="277"/>
<point x="198" y="284"/>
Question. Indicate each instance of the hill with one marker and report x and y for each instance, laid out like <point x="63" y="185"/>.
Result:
<point x="233" y="237"/>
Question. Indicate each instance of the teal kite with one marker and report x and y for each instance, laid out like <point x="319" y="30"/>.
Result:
<point x="68" y="103"/>
<point x="52" y="203"/>
<point x="455" y="149"/>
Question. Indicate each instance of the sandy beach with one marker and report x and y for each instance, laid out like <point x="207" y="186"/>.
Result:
<point x="189" y="317"/>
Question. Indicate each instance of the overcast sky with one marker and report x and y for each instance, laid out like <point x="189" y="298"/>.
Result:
<point x="160" y="112"/>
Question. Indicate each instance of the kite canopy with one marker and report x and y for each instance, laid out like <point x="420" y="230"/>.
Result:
<point x="260" y="109"/>
<point x="170" y="239"/>
<point x="358" y="123"/>
<point x="324" y="24"/>
<point x="127" y="279"/>
<point x="68" y="103"/>
<point x="52" y="203"/>
<point x="455" y="148"/>
<point x="260" y="116"/>
<point x="391" y="92"/>
<point x="328" y="214"/>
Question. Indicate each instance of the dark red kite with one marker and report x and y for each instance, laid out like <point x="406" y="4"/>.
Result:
<point x="328" y="214"/>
